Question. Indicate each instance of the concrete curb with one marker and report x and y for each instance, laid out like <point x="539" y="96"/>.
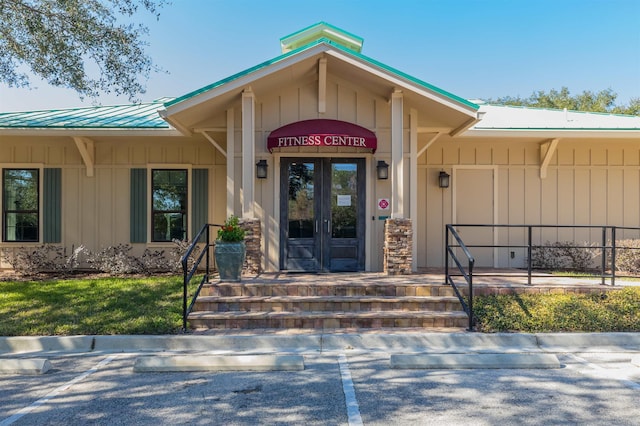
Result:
<point x="588" y="342"/>
<point x="474" y="361"/>
<point x="432" y="342"/>
<point x="32" y="366"/>
<point x="219" y="363"/>
<point x="390" y="342"/>
<point x="188" y="343"/>
<point x="46" y="344"/>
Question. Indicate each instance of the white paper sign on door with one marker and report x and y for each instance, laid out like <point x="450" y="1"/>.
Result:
<point x="344" y="200"/>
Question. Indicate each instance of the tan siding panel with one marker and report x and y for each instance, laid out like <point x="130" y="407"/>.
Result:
<point x="308" y="96"/>
<point x="501" y="154"/>
<point x="615" y="197"/>
<point x="632" y="156"/>
<point x="631" y="197"/>
<point x="516" y="155"/>
<point x="615" y="155"/>
<point x="484" y="154"/>
<point x="582" y="156"/>
<point x="598" y="197"/>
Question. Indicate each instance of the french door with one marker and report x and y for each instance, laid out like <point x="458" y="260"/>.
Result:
<point x="322" y="223"/>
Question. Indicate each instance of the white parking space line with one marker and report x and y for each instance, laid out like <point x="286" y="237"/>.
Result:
<point x="353" y="410"/>
<point x="56" y="392"/>
<point x="605" y="373"/>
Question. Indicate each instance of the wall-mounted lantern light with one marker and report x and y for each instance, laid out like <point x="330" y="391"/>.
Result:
<point x="443" y="179"/>
<point x="261" y="169"/>
<point x="383" y="170"/>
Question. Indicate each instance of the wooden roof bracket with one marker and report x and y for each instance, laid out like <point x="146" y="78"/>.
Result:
<point x="213" y="142"/>
<point x="547" y="149"/>
<point x="87" y="150"/>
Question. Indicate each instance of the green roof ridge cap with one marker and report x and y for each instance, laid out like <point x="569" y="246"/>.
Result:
<point x="318" y="31"/>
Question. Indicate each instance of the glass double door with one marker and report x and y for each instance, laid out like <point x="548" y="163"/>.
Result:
<point x="322" y="223"/>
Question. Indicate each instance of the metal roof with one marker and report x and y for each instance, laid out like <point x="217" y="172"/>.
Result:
<point x="498" y="117"/>
<point x="134" y="116"/>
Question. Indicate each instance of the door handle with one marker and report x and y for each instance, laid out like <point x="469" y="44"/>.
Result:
<point x="316" y="226"/>
<point x="328" y="226"/>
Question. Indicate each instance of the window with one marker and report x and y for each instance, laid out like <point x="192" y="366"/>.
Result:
<point x="20" y="204"/>
<point x="169" y="205"/>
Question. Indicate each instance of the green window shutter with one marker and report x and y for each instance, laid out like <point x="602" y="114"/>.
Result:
<point x="199" y="200"/>
<point x="52" y="206"/>
<point x="138" y="221"/>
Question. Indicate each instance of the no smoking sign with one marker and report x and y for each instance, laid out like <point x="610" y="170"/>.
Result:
<point x="383" y="204"/>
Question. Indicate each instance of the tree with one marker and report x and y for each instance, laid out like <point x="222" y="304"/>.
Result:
<point x="602" y="101"/>
<point x="58" y="40"/>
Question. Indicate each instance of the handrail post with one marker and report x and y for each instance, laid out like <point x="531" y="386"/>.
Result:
<point x="185" y="271"/>
<point x="613" y="256"/>
<point x="446" y="254"/>
<point x="529" y="254"/>
<point x="207" y="259"/>
<point x="604" y="254"/>
<point x="471" y="295"/>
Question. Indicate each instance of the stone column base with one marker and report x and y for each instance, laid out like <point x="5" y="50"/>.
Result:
<point x="252" y="240"/>
<point x="398" y="245"/>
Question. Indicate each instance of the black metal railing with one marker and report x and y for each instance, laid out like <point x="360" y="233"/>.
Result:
<point x="189" y="272"/>
<point x="606" y="246"/>
<point x="468" y="275"/>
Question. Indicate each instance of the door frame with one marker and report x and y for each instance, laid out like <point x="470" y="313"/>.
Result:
<point x="454" y="198"/>
<point x="274" y="231"/>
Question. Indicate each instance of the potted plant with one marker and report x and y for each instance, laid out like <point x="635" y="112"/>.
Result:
<point x="230" y="250"/>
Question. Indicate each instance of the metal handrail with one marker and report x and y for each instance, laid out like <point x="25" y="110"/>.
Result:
<point x="187" y="273"/>
<point x="467" y="306"/>
<point x="529" y="246"/>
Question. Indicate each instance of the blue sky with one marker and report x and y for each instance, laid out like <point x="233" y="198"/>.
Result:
<point x="472" y="48"/>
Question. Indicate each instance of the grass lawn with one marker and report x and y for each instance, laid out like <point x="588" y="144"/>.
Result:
<point x="149" y="305"/>
<point x="598" y="312"/>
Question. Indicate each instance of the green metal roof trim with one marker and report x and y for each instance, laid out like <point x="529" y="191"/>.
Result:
<point x="321" y="30"/>
<point x="339" y="47"/>
<point x="134" y="116"/>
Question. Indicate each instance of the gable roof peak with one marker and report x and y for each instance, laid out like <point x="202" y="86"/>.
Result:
<point x="321" y="30"/>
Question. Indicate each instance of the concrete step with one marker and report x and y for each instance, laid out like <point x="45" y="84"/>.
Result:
<point x="276" y="288"/>
<point x="327" y="319"/>
<point x="326" y="303"/>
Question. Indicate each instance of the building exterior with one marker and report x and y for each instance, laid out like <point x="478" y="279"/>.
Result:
<point x="325" y="120"/>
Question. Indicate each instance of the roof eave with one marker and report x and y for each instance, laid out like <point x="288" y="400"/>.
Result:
<point x="245" y="78"/>
<point x="51" y="131"/>
<point x="555" y="133"/>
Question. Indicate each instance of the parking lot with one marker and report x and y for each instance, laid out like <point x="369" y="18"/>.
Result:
<point x="335" y="388"/>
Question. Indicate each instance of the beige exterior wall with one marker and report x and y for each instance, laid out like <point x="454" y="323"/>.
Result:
<point x="96" y="209"/>
<point x="588" y="182"/>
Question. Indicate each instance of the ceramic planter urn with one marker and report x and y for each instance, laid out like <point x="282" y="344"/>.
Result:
<point x="229" y="259"/>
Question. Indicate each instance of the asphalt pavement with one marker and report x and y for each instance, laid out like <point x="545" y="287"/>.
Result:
<point x="338" y="379"/>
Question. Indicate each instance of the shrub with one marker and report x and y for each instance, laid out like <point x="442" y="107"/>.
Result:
<point x="46" y="258"/>
<point x="562" y="255"/>
<point x="627" y="256"/>
<point x="178" y="251"/>
<point x="595" y="312"/>
<point x="115" y="260"/>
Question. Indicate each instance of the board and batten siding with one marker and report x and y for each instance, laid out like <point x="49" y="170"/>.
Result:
<point x="588" y="182"/>
<point x="96" y="211"/>
<point x="344" y="101"/>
